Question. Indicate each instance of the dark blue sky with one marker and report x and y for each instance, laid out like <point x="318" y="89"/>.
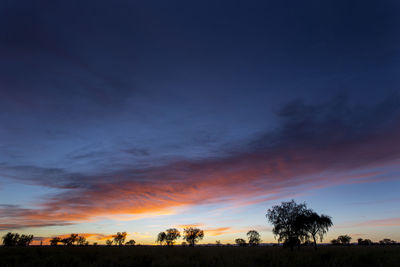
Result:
<point x="161" y="101"/>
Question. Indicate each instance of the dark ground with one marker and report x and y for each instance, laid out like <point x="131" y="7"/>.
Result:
<point x="200" y="256"/>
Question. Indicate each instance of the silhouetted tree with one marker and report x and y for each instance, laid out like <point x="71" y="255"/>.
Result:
<point x="364" y="242"/>
<point x="334" y="242"/>
<point x="240" y="242"/>
<point x="288" y="222"/>
<point x="254" y="238"/>
<point x="387" y="241"/>
<point x="193" y="235"/>
<point x="119" y="238"/>
<point x="130" y="243"/>
<point x="81" y="241"/>
<point x="344" y="239"/>
<point x="10" y="239"/>
<point x="67" y="241"/>
<point x="109" y="242"/>
<point x="218" y="243"/>
<point x="161" y="238"/>
<point x="172" y="235"/>
<point x="316" y="225"/>
<point x="14" y="239"/>
<point x="74" y="238"/>
<point x="24" y="240"/>
<point x="183" y="244"/>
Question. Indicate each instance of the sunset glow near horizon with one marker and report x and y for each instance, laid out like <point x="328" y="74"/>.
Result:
<point x="139" y="116"/>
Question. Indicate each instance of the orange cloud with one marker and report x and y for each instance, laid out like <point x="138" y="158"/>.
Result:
<point x="195" y="225"/>
<point x="217" y="231"/>
<point x="249" y="176"/>
<point x="89" y="236"/>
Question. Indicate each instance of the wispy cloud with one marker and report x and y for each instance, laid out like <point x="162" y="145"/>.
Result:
<point x="316" y="146"/>
<point x="217" y="231"/>
<point x="395" y="221"/>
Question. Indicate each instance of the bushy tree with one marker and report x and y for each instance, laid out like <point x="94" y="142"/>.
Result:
<point x="130" y="243"/>
<point x="10" y="239"/>
<point x="109" y="242"/>
<point x="54" y="241"/>
<point x="70" y="241"/>
<point x="344" y="239"/>
<point x="81" y="241"/>
<point x="193" y="235"/>
<point x="295" y="223"/>
<point x="387" y="241"/>
<point x="67" y="241"/>
<point x="169" y="236"/>
<point x="254" y="238"/>
<point x="172" y="235"/>
<point x="288" y="222"/>
<point x="334" y="242"/>
<point x="73" y="238"/>
<point x="341" y="240"/>
<point x="24" y="240"/>
<point x="119" y="238"/>
<point x="161" y="238"/>
<point x="14" y="239"/>
<point x="240" y="242"/>
<point x="364" y="242"/>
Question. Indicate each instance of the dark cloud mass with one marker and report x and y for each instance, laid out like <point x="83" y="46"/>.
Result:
<point x="313" y="147"/>
<point x="137" y="107"/>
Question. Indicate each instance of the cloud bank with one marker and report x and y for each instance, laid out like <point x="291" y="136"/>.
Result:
<point x="315" y="146"/>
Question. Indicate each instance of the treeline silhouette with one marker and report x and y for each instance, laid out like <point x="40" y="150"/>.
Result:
<point x="293" y="224"/>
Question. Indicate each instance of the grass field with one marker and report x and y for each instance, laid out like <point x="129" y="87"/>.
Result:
<point x="200" y="256"/>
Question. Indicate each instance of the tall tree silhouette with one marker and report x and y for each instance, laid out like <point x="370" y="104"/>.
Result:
<point x="254" y="238"/>
<point x="316" y="225"/>
<point x="193" y="235"/>
<point x="288" y="222"/>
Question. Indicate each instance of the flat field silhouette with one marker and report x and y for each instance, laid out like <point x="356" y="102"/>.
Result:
<point x="200" y="256"/>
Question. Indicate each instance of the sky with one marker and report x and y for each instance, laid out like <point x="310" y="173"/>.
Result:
<point x="139" y="116"/>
